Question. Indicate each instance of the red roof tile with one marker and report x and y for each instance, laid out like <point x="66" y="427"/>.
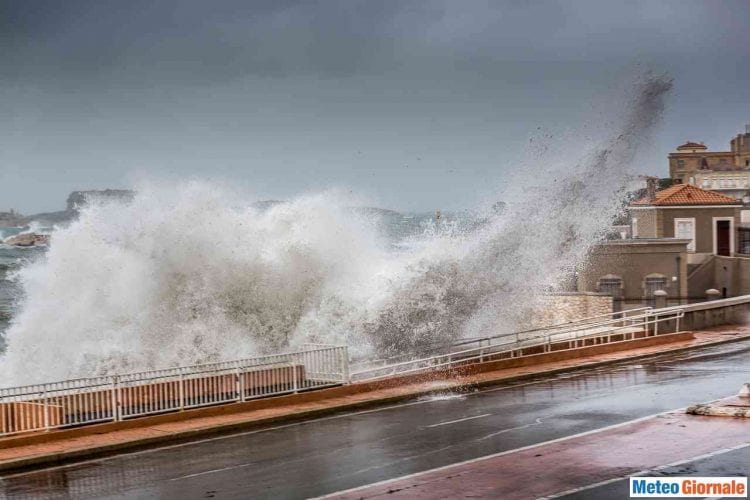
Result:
<point x="687" y="194"/>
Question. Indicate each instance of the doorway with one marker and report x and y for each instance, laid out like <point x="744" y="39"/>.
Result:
<point x="723" y="238"/>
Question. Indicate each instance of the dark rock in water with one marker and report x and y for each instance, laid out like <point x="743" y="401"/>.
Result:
<point x="79" y="199"/>
<point x="27" y="240"/>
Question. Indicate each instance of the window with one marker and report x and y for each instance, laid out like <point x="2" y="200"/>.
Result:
<point x="743" y="246"/>
<point x="684" y="229"/>
<point x="654" y="282"/>
<point x="681" y="163"/>
<point x="634" y="228"/>
<point x="611" y="285"/>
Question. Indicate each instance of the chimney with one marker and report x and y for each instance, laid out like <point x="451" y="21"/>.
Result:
<point x="651" y="188"/>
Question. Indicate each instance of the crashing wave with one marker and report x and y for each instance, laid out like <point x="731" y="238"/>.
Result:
<point x="187" y="274"/>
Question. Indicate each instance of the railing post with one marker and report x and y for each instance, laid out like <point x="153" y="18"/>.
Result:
<point x="182" y="390"/>
<point x="46" y="410"/>
<point x="295" y="384"/>
<point x="115" y="398"/>
<point x="344" y="360"/>
<point x="238" y="384"/>
<point x="243" y="382"/>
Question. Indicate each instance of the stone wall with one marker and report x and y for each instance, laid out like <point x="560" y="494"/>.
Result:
<point x="731" y="311"/>
<point x="564" y="307"/>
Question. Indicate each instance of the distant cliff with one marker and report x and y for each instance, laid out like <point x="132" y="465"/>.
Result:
<point x="76" y="201"/>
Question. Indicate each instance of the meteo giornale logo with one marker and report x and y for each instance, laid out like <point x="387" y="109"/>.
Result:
<point x="687" y="487"/>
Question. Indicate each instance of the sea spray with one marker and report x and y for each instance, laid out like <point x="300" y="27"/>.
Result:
<point x="493" y="284"/>
<point x="181" y="276"/>
<point x="186" y="275"/>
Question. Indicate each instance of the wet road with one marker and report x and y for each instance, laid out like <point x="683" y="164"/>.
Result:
<point x="343" y="451"/>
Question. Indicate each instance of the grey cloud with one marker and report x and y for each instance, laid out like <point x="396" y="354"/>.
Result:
<point x="230" y="39"/>
<point x="283" y="94"/>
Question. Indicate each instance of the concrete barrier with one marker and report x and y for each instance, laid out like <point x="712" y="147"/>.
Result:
<point x="732" y="311"/>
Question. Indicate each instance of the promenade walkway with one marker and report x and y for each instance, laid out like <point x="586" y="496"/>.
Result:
<point x="74" y="444"/>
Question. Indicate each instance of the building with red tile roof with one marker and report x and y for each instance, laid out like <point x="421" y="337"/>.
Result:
<point x="706" y="218"/>
<point x="685" y="195"/>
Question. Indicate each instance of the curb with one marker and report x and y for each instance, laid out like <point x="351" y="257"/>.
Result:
<point x="59" y="458"/>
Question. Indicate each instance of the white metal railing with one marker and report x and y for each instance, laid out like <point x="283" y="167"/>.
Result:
<point x="613" y="319"/>
<point x="113" y="398"/>
<point x="513" y="345"/>
<point x="465" y="343"/>
<point x="628" y="317"/>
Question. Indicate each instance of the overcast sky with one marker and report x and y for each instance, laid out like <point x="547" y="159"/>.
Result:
<point x="416" y="104"/>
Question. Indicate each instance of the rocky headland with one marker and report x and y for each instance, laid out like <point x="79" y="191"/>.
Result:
<point x="75" y="202"/>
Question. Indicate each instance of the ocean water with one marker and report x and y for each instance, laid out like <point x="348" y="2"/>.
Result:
<point x="191" y="273"/>
<point x="12" y="259"/>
